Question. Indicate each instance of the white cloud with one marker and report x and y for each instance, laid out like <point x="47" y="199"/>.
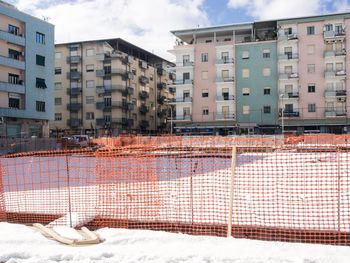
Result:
<point x="273" y="9"/>
<point x="341" y="6"/>
<point x="143" y="23"/>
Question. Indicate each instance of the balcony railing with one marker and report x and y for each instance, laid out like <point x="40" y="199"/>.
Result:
<point x="128" y="106"/>
<point x="291" y="95"/>
<point x="11" y="87"/>
<point x="74" y="91"/>
<point x="183" y="117"/>
<point x="181" y="100"/>
<point x="334" y="53"/>
<point x="128" y="91"/>
<point x="225" y="79"/>
<point x="143" y="80"/>
<point x="288" y="76"/>
<point x="74" y="123"/>
<point x="143" y="109"/>
<point x="12" y="38"/>
<point x="332" y="112"/>
<point x="74" y="75"/>
<point x="109" y="88"/>
<point x="161" y="85"/>
<point x="290" y="114"/>
<point x="108" y="72"/>
<point x="143" y="95"/>
<point x="184" y="64"/>
<point x="74" y="106"/>
<point x="225" y="116"/>
<point x="225" y="98"/>
<point x="11" y="62"/>
<point x="288" y="56"/>
<point x="143" y="64"/>
<point x="284" y="37"/>
<point x="225" y="61"/>
<point x="73" y="59"/>
<point x="183" y="82"/>
<point x="334" y="34"/>
<point x="333" y="73"/>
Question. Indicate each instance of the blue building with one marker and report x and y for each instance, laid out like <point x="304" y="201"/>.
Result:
<point x="26" y="74"/>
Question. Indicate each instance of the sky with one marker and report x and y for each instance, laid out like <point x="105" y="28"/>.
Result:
<point x="147" y="23"/>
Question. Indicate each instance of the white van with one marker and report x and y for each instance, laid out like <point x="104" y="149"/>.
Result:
<point x="81" y="140"/>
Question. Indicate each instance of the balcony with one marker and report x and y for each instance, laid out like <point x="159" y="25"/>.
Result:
<point x="287" y="37"/>
<point x="128" y="91"/>
<point x="334" y="35"/>
<point x="74" y="123"/>
<point x="127" y="122"/>
<point x="143" y="95"/>
<point x="12" y="38"/>
<point x="184" y="64"/>
<point x="143" y="80"/>
<point x="331" y="113"/>
<point x="73" y="91"/>
<point x="143" y="109"/>
<point x="128" y="60"/>
<point x="10" y="87"/>
<point x="289" y="76"/>
<point x="143" y="64"/>
<point x="73" y="59"/>
<point x="161" y="70"/>
<point x="13" y="63"/>
<point x="161" y="85"/>
<point x="172" y="90"/>
<point x="225" y="79"/>
<point x="288" y="56"/>
<point x="225" y="116"/>
<point x="223" y="61"/>
<point x="109" y="72"/>
<point x="128" y="106"/>
<point x="74" y="106"/>
<point x="161" y="99"/>
<point x="73" y="75"/>
<point x="183" y="82"/>
<point x="109" y="88"/>
<point x="335" y="93"/>
<point x="181" y="100"/>
<point x="333" y="74"/>
<point x="291" y="95"/>
<point x="225" y="98"/>
<point x="101" y="122"/>
<point x="144" y="124"/>
<point x="290" y="114"/>
<point x="162" y="113"/>
<point x="187" y="117"/>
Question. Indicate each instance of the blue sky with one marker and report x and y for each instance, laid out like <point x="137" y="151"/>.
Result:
<point x="147" y="23"/>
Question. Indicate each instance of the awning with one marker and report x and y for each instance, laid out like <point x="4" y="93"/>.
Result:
<point x="40" y="83"/>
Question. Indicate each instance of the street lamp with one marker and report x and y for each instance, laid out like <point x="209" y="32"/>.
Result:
<point x="282" y="115"/>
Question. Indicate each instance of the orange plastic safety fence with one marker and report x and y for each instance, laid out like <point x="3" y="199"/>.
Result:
<point x="262" y="188"/>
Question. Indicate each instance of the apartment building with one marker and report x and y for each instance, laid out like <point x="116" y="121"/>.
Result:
<point x="26" y="74"/>
<point x="264" y="77"/>
<point x="105" y="87"/>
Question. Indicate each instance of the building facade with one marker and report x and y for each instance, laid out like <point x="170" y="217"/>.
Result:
<point x="285" y="75"/>
<point x="26" y="74"/>
<point x="105" y="87"/>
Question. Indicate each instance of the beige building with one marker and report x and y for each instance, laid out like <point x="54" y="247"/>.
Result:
<point x="105" y="87"/>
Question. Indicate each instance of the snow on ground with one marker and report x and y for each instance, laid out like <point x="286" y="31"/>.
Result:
<point x="19" y="243"/>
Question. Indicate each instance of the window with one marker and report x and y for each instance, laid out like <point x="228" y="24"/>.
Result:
<point x="40" y="83"/>
<point x="246" y="109"/>
<point x="225" y="93"/>
<point x="186" y="94"/>
<point x="311" y="88"/>
<point x="205" y="93"/>
<point x="13" y="30"/>
<point x="311" y="107"/>
<point x="310" y="30"/>
<point x="90" y="116"/>
<point x="267" y="109"/>
<point x="186" y="77"/>
<point x="267" y="91"/>
<point x="311" y="68"/>
<point x="40" y="106"/>
<point x="288" y="69"/>
<point x="328" y="27"/>
<point x="40" y="60"/>
<point x="58" y="55"/>
<point x="288" y="88"/>
<point x="266" y="53"/>
<point x="58" y="85"/>
<point x="245" y="73"/>
<point x="90" y="84"/>
<point x="14" y="54"/>
<point x="245" y="54"/>
<point x="40" y="38"/>
<point x="90" y="52"/>
<point x="13" y="79"/>
<point x="90" y="99"/>
<point x="58" y="71"/>
<point x="288" y="51"/>
<point x="225" y="74"/>
<point x="225" y="56"/>
<point x="204" y="57"/>
<point x="205" y="111"/>
<point x="288" y="108"/>
<point x="90" y="68"/>
<point x="339" y="66"/>
<point x="204" y="74"/>
<point x="245" y="91"/>
<point x="58" y="101"/>
<point x="186" y="111"/>
<point x="185" y="59"/>
<point x="329" y="67"/>
<point x="14" y="100"/>
<point x="310" y="49"/>
<point x="58" y="116"/>
<point x="288" y="31"/>
<point x="267" y="72"/>
<point x="339" y="29"/>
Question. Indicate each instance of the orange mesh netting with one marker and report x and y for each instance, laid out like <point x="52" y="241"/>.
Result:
<point x="287" y="189"/>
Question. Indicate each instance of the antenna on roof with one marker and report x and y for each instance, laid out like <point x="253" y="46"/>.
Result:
<point x="46" y="18"/>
